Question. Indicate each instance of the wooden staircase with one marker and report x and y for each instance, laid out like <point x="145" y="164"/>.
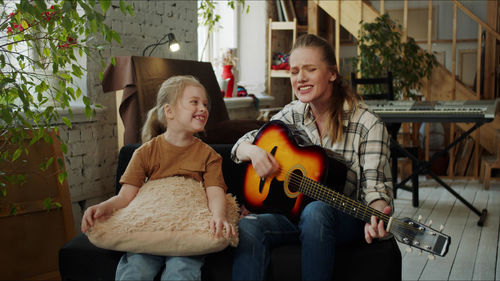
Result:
<point x="442" y="85"/>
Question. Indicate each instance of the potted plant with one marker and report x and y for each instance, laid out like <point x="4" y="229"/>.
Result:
<point x="381" y="49"/>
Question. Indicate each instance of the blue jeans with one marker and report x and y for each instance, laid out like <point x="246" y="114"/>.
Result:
<point x="320" y="229"/>
<point x="145" y="267"/>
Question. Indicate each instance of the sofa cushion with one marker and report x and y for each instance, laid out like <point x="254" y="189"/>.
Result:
<point x="168" y="217"/>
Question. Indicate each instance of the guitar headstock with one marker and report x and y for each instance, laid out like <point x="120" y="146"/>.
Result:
<point x="418" y="235"/>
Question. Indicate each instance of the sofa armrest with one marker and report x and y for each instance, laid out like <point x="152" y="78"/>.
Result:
<point x="124" y="156"/>
<point x="80" y="260"/>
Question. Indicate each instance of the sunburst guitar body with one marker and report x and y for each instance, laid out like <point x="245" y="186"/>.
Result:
<point x="274" y="194"/>
<point x="306" y="173"/>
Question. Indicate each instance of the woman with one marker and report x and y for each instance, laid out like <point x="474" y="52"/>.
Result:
<point x="332" y="117"/>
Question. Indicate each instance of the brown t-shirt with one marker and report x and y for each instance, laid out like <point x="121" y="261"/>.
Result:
<point x="157" y="159"/>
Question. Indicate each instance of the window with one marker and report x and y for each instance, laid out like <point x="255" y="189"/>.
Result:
<point x="211" y="46"/>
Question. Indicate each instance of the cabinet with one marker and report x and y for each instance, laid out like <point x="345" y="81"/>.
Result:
<point x="31" y="239"/>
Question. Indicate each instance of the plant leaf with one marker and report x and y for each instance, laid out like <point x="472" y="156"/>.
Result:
<point x="104" y="5"/>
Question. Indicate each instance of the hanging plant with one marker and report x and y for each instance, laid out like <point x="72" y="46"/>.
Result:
<point x="381" y="50"/>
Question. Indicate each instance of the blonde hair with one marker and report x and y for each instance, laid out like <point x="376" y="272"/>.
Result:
<point x="170" y="93"/>
<point x="340" y="93"/>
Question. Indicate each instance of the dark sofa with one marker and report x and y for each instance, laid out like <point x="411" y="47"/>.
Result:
<point x="80" y="260"/>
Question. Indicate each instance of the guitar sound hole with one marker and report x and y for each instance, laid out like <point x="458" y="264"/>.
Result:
<point x="295" y="180"/>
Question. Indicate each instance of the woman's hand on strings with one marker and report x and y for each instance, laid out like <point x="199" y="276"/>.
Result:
<point x="376" y="228"/>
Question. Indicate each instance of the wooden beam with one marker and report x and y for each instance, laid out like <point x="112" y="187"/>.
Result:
<point x="429" y="44"/>
<point x="453" y="86"/>
<point x="478" y="61"/>
<point x="312" y="18"/>
<point x="269" y="54"/>
<point x="476" y="19"/>
<point x="454" y="52"/>
<point x="490" y="51"/>
<point x="405" y="21"/>
<point x="428" y="95"/>
<point x="352" y="13"/>
<point x="337" y="36"/>
<point x="478" y="96"/>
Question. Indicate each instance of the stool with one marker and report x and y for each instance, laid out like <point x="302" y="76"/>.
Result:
<point x="487" y="164"/>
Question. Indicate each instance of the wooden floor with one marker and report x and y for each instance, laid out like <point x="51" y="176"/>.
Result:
<point x="473" y="252"/>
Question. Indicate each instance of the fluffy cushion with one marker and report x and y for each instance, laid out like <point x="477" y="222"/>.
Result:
<point x="168" y="217"/>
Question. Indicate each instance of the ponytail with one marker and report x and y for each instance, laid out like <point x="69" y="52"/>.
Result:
<point x="153" y="126"/>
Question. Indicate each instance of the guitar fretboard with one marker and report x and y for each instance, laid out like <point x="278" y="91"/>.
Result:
<point x="339" y="201"/>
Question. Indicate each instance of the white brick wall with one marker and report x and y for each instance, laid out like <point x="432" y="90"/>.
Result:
<point x="92" y="145"/>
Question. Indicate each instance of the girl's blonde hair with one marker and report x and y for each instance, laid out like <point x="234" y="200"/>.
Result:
<point x="170" y="93"/>
<point x="340" y="92"/>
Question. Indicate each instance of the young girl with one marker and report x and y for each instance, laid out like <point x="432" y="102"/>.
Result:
<point x="170" y="148"/>
<point x="336" y="119"/>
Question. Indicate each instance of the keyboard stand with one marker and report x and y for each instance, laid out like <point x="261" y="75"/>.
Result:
<point x="423" y="168"/>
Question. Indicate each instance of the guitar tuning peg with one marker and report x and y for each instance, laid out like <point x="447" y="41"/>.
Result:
<point x="419" y="218"/>
<point x="408" y="249"/>
<point x="431" y="257"/>
<point x="419" y="253"/>
<point x="441" y="227"/>
<point x="430" y="222"/>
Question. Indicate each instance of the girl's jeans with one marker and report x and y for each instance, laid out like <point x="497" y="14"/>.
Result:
<point x="145" y="267"/>
<point x="320" y="229"/>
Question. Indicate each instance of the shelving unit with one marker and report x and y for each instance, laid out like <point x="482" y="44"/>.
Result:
<point x="308" y="18"/>
<point x="290" y="28"/>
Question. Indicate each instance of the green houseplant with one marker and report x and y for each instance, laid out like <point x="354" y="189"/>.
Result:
<point x="41" y="42"/>
<point x="381" y="49"/>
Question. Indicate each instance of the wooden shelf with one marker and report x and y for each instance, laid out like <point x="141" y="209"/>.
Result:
<point x="280" y="74"/>
<point x="271" y="74"/>
<point x="283" y="25"/>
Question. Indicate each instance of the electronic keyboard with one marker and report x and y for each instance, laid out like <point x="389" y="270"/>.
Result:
<point x="434" y="111"/>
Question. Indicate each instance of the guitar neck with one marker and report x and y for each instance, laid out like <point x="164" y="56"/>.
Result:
<point x="339" y="201"/>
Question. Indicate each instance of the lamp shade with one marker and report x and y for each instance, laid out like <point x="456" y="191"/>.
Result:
<point x="169" y="39"/>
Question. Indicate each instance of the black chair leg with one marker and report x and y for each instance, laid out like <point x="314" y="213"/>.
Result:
<point x="414" y="182"/>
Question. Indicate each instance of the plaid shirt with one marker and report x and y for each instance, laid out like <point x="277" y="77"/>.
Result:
<point x="364" y="147"/>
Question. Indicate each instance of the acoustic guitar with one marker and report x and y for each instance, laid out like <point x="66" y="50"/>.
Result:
<point x="305" y="172"/>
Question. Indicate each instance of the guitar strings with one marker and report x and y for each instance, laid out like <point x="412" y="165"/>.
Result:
<point x="310" y="186"/>
<point x="349" y="205"/>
